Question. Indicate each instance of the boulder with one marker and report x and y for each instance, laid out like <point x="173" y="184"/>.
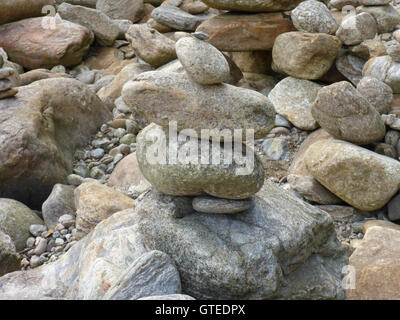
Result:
<point x="312" y="54"/>
<point x="362" y="178"/>
<point x="32" y="46"/>
<point x="344" y="113"/>
<point x="245" y="32"/>
<point x="14" y="10"/>
<point x="162" y="97"/>
<point x="40" y="74"/>
<point x="207" y="204"/>
<point x="41" y="127"/>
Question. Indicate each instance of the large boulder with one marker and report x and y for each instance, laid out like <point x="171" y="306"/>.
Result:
<point x="253" y="5"/>
<point x="163" y="97"/>
<point x="41" y="127"/>
<point x="362" y="178"/>
<point x="14" y="10"/>
<point x="282" y="248"/>
<point x="32" y="46"/>
<point x="245" y="32"/>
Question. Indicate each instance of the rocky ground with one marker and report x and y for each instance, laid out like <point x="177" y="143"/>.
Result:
<point x="86" y="92"/>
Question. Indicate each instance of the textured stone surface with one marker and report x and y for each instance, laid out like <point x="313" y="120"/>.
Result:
<point x="95" y="202"/>
<point x="313" y="16"/>
<point x="344" y="113"/>
<point x="293" y="99"/>
<point x="283" y="248"/>
<point x="122" y="9"/>
<point x="163" y="97"/>
<point x="351" y="67"/>
<point x="384" y="69"/>
<point x="245" y="32"/>
<point x="369" y="49"/>
<point x="207" y="204"/>
<point x="41" y="127"/>
<point x="357" y="28"/>
<point x="15" y="220"/>
<point x="203" y="62"/>
<point x="188" y="175"/>
<point x="364" y="179"/>
<point x="150" y="45"/>
<point x="312" y="54"/>
<point x="9" y="258"/>
<point x="169" y="297"/>
<point x="176" y="18"/>
<point x="386" y="16"/>
<point x="126" y="172"/>
<point x="394" y="208"/>
<point x="252" y="5"/>
<point x="377" y="93"/>
<point x="32" y="46"/>
<point x="13" y="10"/>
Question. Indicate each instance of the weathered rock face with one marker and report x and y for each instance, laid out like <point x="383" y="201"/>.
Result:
<point x="293" y="99"/>
<point x="384" y="69"/>
<point x="122" y="9"/>
<point x="126" y="172"/>
<point x="188" y="174"/>
<point x="312" y="54"/>
<point x="253" y="5"/>
<point x="364" y="179"/>
<point x="245" y="32"/>
<point x="15" y="220"/>
<point x="163" y="97"/>
<point x="357" y="28"/>
<point x="377" y="268"/>
<point x="176" y="18"/>
<point x="104" y="29"/>
<point x="203" y="62"/>
<point x="13" y="10"/>
<point x="9" y="258"/>
<point x="351" y="67"/>
<point x="343" y="112"/>
<point x="150" y="45"/>
<point x="40" y="74"/>
<point x="369" y="49"/>
<point x="378" y="93"/>
<point x="95" y="202"/>
<point x="291" y="252"/>
<point x="386" y="16"/>
<point x="32" y="46"/>
<point x="313" y="16"/>
<point x="41" y="127"/>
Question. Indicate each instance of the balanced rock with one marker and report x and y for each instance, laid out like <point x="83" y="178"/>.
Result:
<point x="313" y="16"/>
<point x="343" y="112"/>
<point x="312" y="54"/>
<point x="171" y="174"/>
<point x="245" y="32"/>
<point x="385" y="69"/>
<point x="362" y="178"/>
<point x="41" y="127"/>
<point x="377" y="93"/>
<point x="386" y="17"/>
<point x="150" y="45"/>
<point x="207" y="204"/>
<point x="122" y="9"/>
<point x="163" y="97"/>
<point x="293" y="99"/>
<point x="14" y="10"/>
<point x="203" y="62"/>
<point x="252" y="5"/>
<point x="32" y="46"/>
<point x="357" y="28"/>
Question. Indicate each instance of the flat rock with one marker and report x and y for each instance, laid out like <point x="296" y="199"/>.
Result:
<point x="203" y="62"/>
<point x="245" y="32"/>
<point x="362" y="178"/>
<point x="176" y="18"/>
<point x="344" y="113"/>
<point x="163" y="97"/>
<point x="312" y="54"/>
<point x="207" y="204"/>
<point x="32" y="46"/>
<point x="293" y="99"/>
<point x="252" y="5"/>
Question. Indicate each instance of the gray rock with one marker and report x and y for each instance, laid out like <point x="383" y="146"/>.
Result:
<point x="9" y="258"/>
<point x="153" y="273"/>
<point x="385" y="69"/>
<point x="313" y="16"/>
<point x="377" y="93"/>
<point x="176" y="18"/>
<point x="394" y="208"/>
<point x="207" y="204"/>
<point x="41" y="247"/>
<point x="122" y="9"/>
<point x="357" y="28"/>
<point x="351" y="67"/>
<point x="276" y="148"/>
<point x="386" y="17"/>
<point x="37" y="229"/>
<point x="59" y="203"/>
<point x="204" y="63"/>
<point x="393" y="50"/>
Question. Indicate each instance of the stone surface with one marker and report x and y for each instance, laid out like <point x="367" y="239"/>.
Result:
<point x="369" y="49"/>
<point x="203" y="62"/>
<point x="393" y="50"/>
<point x="376" y="266"/>
<point x="40" y="74"/>
<point x="245" y="32"/>
<point x="252" y="5"/>
<point x="59" y="203"/>
<point x="104" y="29"/>
<point x="10" y="260"/>
<point x="126" y="172"/>
<point x="150" y="45"/>
<point x="344" y="113"/>
<point x="32" y="46"/>
<point x="379" y="223"/>
<point x="312" y="54"/>
<point x="377" y="93"/>
<point x="163" y="97"/>
<point x="95" y="202"/>
<point x="41" y="127"/>
<point x="169" y="297"/>
<point x="362" y="178"/>
<point x="384" y="69"/>
<point x="293" y="99"/>
<point x="394" y="208"/>
<point x="122" y="9"/>
<point x="357" y="28"/>
<point x="153" y="273"/>
<point x="14" y="10"/>
<point x="351" y="67"/>
<point x="207" y="204"/>
<point x="252" y="61"/>
<point x="15" y="220"/>
<point x="176" y="18"/>
<point x="386" y="16"/>
<point x="287" y="246"/>
<point x="313" y="16"/>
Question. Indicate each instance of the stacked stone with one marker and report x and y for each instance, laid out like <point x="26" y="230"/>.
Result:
<point x="9" y="78"/>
